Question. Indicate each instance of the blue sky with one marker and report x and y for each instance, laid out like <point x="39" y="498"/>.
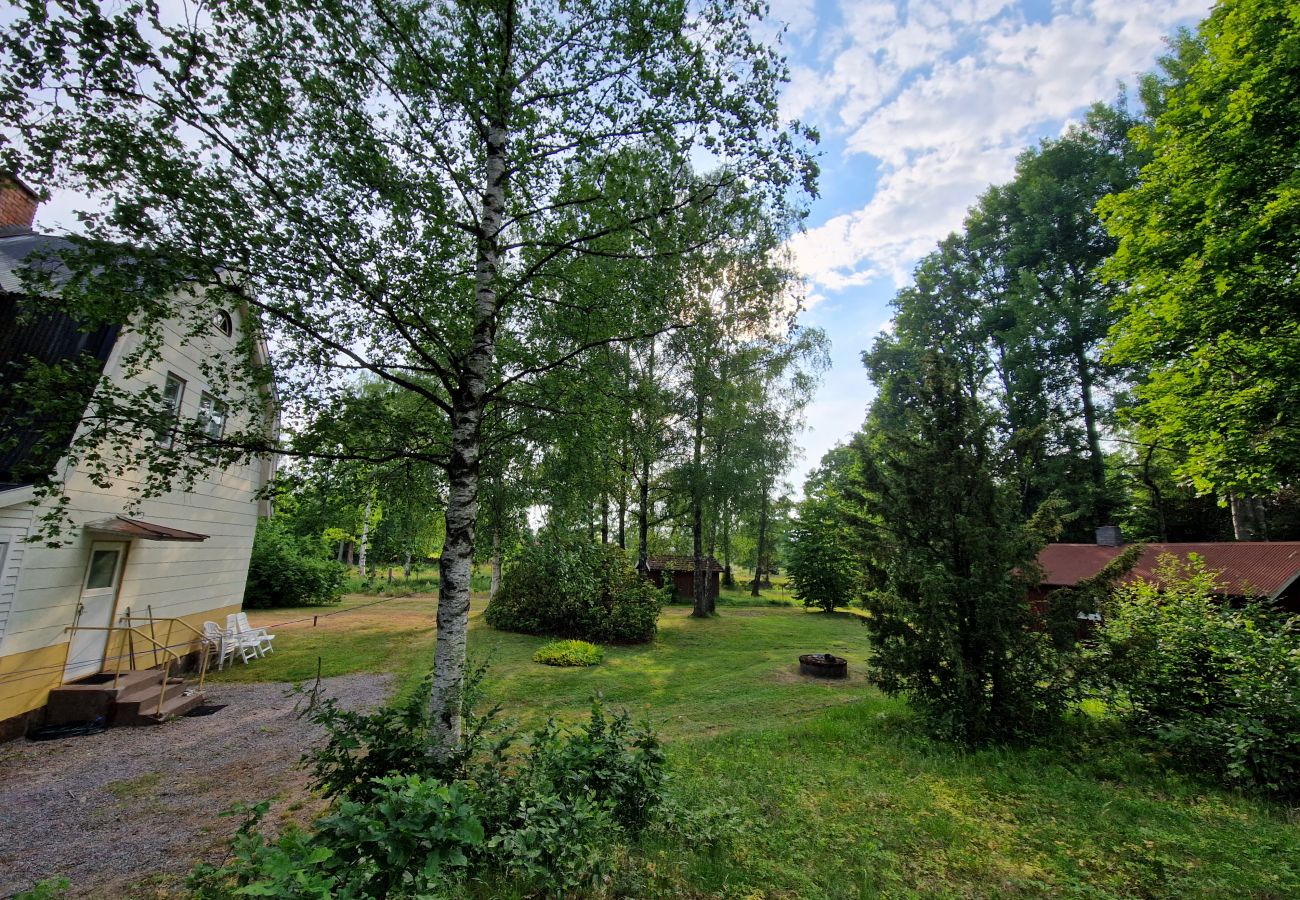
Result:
<point x="921" y="105"/>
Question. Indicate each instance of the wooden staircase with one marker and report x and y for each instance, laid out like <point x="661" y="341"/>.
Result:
<point x="141" y="697"/>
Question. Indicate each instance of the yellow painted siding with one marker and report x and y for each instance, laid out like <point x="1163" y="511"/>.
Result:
<point x="27" y="678"/>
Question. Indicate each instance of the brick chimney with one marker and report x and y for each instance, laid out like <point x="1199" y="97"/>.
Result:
<point x="1110" y="536"/>
<point x="18" y="204"/>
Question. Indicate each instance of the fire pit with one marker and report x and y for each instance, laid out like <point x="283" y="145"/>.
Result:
<point x="823" y="665"/>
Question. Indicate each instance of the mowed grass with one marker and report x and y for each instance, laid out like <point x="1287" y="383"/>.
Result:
<point x="835" y="790"/>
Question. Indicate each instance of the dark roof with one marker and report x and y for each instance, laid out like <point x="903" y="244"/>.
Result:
<point x="680" y="564"/>
<point x="17" y="244"/>
<point x="121" y="526"/>
<point x="1248" y="567"/>
<point x="30" y="449"/>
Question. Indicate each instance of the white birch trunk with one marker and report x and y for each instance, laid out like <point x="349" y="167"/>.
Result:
<point x="365" y="536"/>
<point x="456" y="563"/>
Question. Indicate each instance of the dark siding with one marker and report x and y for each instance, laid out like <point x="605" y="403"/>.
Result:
<point x="30" y="447"/>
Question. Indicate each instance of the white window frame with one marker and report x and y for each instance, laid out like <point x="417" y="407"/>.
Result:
<point x="212" y="412"/>
<point x="165" y="437"/>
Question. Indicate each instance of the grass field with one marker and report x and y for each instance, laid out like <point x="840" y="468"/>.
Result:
<point x="836" y="792"/>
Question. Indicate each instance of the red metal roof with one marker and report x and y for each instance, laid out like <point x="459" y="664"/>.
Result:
<point x="680" y="563"/>
<point x="121" y="526"/>
<point x="1248" y="567"/>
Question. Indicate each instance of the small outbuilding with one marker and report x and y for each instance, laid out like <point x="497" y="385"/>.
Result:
<point x="1269" y="569"/>
<point x="679" y="572"/>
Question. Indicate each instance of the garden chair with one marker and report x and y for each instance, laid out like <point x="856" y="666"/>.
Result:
<point x="216" y="642"/>
<point x="257" y="638"/>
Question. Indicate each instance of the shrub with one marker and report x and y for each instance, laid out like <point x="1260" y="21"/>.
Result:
<point x="550" y="818"/>
<point x="284" y="571"/>
<point x="1216" y="684"/>
<point x="569" y="653"/>
<point x="575" y="589"/>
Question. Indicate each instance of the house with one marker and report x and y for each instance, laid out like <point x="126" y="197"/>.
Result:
<point x="679" y="571"/>
<point x="1249" y="568"/>
<point x="121" y="585"/>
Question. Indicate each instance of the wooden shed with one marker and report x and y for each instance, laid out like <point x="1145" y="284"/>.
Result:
<point x="679" y="571"/>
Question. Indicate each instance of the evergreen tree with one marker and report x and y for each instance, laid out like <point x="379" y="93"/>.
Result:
<point x="949" y="565"/>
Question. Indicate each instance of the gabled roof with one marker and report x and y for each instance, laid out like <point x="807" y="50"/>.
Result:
<point x="680" y="564"/>
<point x="1249" y="567"/>
<point x="17" y="244"/>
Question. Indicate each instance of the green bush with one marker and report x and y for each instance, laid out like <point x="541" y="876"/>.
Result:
<point x="1216" y="684"/>
<point x="549" y="819"/>
<point x="569" y="653"/>
<point x="575" y="589"/>
<point x="284" y="571"/>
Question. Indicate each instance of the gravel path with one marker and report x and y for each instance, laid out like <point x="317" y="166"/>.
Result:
<point x="127" y="812"/>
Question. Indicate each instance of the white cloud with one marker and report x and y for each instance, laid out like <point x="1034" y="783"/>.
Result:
<point x="942" y="95"/>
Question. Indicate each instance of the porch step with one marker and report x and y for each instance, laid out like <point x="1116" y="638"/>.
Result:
<point x="130" y="699"/>
<point x="175" y="705"/>
<point x="142" y="703"/>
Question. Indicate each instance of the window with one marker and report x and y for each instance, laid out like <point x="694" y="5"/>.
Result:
<point x="173" y="391"/>
<point x="224" y="323"/>
<point x="212" y="416"/>
<point x="103" y="569"/>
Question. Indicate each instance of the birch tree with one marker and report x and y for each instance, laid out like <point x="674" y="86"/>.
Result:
<point x="391" y="187"/>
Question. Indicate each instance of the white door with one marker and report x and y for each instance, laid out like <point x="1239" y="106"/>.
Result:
<point x="95" y="612"/>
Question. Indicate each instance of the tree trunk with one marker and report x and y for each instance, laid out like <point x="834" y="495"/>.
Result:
<point x="455" y="567"/>
<point x="1157" y="499"/>
<point x="728" y="580"/>
<point x="1247" y="518"/>
<point x="365" y="537"/>
<point x="699" y="581"/>
<point x="604" y="517"/>
<point x="342" y="546"/>
<point x="496" y="563"/>
<point x="1096" y="462"/>
<point x="622" y="498"/>
<point x="761" y="549"/>
<point x="406" y="565"/>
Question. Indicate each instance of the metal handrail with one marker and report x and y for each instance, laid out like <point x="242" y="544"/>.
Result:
<point x="203" y="639"/>
<point x="170" y="655"/>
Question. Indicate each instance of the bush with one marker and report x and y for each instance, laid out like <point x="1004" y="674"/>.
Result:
<point x="1218" y="685"/>
<point x="549" y="818"/>
<point x="569" y="653"/>
<point x="284" y="571"/>
<point x="575" y="589"/>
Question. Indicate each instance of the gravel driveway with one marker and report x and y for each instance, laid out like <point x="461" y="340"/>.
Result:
<point x="127" y="812"/>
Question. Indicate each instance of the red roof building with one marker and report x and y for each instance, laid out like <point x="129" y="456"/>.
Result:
<point x="1248" y="568"/>
<point x="679" y="571"/>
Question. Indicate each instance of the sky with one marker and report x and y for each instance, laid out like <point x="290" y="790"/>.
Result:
<point x="921" y="105"/>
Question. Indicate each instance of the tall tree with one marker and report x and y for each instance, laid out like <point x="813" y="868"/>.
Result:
<point x="392" y="186"/>
<point x="1208" y="243"/>
<point x="949" y="564"/>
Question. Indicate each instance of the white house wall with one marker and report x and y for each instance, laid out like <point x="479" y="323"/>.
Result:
<point x="166" y="578"/>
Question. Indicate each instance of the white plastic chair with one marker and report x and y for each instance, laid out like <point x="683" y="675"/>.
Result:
<point x="248" y="646"/>
<point x="257" y="638"/>
<point x="265" y="639"/>
<point x="216" y="642"/>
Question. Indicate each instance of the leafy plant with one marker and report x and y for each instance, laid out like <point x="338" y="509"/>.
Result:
<point x="284" y="571"/>
<point x="578" y="589"/>
<point x="364" y="746"/>
<point x="569" y="653"/>
<point x="405" y="823"/>
<point x="1216" y="683"/>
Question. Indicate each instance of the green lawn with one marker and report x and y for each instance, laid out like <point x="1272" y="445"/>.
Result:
<point x="837" y="793"/>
